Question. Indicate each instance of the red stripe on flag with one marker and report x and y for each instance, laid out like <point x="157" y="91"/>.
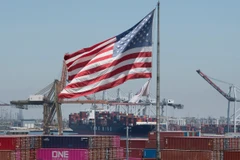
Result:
<point x="114" y="63"/>
<point x="68" y="56"/>
<point x="109" y="75"/>
<point x="80" y="65"/>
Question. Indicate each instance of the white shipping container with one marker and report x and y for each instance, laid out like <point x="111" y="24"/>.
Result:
<point x="36" y="98"/>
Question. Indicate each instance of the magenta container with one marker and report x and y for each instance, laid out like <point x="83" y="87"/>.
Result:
<point x="120" y="152"/>
<point x="62" y="153"/>
<point x="116" y="141"/>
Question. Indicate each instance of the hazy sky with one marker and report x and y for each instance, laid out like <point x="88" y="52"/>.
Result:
<point x="34" y="35"/>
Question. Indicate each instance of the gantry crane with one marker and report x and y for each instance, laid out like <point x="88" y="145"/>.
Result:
<point x="228" y="96"/>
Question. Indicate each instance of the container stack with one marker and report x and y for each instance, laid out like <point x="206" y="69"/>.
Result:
<point x="201" y="148"/>
<point x="80" y="147"/>
<point x="151" y="143"/>
<point x="149" y="152"/>
<point x="19" y="147"/>
<point x="145" y="149"/>
<point x="135" y="148"/>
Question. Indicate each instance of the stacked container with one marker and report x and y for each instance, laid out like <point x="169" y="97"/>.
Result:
<point x="19" y="147"/>
<point x="146" y="148"/>
<point x="200" y="148"/>
<point x="136" y="147"/>
<point x="80" y="147"/>
<point x="151" y="143"/>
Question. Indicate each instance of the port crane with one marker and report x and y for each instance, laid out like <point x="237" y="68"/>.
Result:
<point x="231" y="96"/>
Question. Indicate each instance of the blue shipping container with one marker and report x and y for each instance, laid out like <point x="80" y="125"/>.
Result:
<point x="149" y="153"/>
<point x="82" y="142"/>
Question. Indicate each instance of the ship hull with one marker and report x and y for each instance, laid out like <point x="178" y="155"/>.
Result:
<point x="134" y="131"/>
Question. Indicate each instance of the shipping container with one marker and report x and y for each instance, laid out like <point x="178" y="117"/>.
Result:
<point x="231" y="143"/>
<point x="9" y="155"/>
<point x="231" y="155"/>
<point x="132" y="158"/>
<point x="194" y="143"/>
<point x="133" y="152"/>
<point x="152" y="144"/>
<point x="133" y="143"/>
<point x="82" y="141"/>
<point x="187" y="155"/>
<point x="9" y="143"/>
<point x="19" y="142"/>
<point x="62" y="154"/>
<point x="149" y="153"/>
<point x="17" y="155"/>
<point x="152" y="135"/>
<point x="77" y="154"/>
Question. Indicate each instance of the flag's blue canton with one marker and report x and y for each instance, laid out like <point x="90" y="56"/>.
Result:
<point x="139" y="35"/>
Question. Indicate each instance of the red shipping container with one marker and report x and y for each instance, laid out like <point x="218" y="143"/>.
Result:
<point x="193" y="143"/>
<point x="136" y="153"/>
<point x="152" y="135"/>
<point x="152" y="144"/>
<point x="187" y="155"/>
<point x="9" y="143"/>
<point x="61" y="153"/>
<point x="133" y="143"/>
<point x="231" y="155"/>
<point x="9" y="155"/>
<point x="231" y="143"/>
<point x="19" y="142"/>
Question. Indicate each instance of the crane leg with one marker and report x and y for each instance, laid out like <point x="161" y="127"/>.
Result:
<point x="228" y="119"/>
<point x="46" y="129"/>
<point x="59" y="117"/>
<point x="58" y="109"/>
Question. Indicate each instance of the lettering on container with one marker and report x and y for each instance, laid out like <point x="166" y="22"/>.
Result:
<point x="63" y="155"/>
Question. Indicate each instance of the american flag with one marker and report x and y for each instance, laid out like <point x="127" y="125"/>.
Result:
<point x="111" y="62"/>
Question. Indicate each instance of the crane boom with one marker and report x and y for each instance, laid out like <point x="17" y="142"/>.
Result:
<point x="5" y="105"/>
<point x="215" y="86"/>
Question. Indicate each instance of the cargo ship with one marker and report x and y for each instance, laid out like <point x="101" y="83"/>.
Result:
<point x="114" y="123"/>
<point x="111" y="123"/>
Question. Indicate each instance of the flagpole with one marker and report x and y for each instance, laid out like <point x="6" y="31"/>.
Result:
<point x="158" y="155"/>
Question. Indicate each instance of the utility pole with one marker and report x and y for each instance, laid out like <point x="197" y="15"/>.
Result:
<point x="127" y="129"/>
